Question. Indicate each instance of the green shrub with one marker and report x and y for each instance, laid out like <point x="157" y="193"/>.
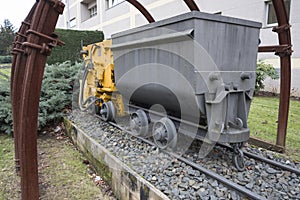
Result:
<point x="5" y="59"/>
<point x="57" y="89"/>
<point x="263" y="71"/>
<point x="56" y="95"/>
<point x="5" y="107"/>
<point x="73" y="40"/>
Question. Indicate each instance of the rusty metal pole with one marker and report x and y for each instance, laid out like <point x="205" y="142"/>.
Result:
<point x="142" y="9"/>
<point x="17" y="80"/>
<point x="30" y="52"/>
<point x="192" y="5"/>
<point x="284" y="51"/>
<point x="284" y="36"/>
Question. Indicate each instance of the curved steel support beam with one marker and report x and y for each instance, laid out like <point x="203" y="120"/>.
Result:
<point x="32" y="46"/>
<point x="284" y="51"/>
<point x="142" y="9"/>
<point x="284" y="36"/>
<point x="192" y="5"/>
<point x="17" y="78"/>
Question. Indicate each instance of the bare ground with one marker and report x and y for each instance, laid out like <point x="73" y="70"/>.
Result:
<point x="63" y="171"/>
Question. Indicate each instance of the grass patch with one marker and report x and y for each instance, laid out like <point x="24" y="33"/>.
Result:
<point x="263" y="121"/>
<point x="9" y="181"/>
<point x="5" y="73"/>
<point x="62" y="174"/>
<point x="5" y="64"/>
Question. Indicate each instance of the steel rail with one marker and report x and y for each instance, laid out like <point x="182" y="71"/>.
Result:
<point x="225" y="181"/>
<point x="266" y="160"/>
<point x="28" y="71"/>
<point x="272" y="162"/>
<point x="204" y="170"/>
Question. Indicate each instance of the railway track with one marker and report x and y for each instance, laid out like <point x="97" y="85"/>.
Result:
<point x="185" y="176"/>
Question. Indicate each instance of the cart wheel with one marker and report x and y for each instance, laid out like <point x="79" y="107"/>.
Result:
<point x="139" y="123"/>
<point x="107" y="111"/>
<point x="97" y="109"/>
<point x="164" y="133"/>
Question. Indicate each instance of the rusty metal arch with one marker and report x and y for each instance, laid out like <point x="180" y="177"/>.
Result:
<point x="142" y="9"/>
<point x="192" y="5"/>
<point x="31" y="47"/>
<point x="33" y="44"/>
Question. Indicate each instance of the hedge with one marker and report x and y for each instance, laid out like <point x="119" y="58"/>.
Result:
<point x="73" y="40"/>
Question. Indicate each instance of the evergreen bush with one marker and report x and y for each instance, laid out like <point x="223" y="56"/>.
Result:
<point x="57" y="89"/>
<point x="56" y="95"/>
<point x="263" y="71"/>
<point x="5" y="107"/>
<point x="5" y="59"/>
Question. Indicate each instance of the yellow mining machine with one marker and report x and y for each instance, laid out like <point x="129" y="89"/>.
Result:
<point x="97" y="87"/>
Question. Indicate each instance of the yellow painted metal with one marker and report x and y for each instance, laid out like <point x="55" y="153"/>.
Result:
<point x="100" y="81"/>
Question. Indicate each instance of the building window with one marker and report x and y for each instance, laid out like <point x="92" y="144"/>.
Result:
<point x="93" y="11"/>
<point x="271" y="15"/>
<point x="111" y="3"/>
<point x="73" y="22"/>
<point x="88" y="9"/>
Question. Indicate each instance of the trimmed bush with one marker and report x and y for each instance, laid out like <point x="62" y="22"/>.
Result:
<point x="73" y="39"/>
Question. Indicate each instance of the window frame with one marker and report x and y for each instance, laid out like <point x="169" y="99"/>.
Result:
<point x="110" y="5"/>
<point x="267" y="4"/>
<point x="73" y="22"/>
<point x="93" y="11"/>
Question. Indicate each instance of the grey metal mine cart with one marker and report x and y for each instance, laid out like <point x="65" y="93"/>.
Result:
<point x="200" y="68"/>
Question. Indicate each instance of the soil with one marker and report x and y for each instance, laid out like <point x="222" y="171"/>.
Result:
<point x="64" y="173"/>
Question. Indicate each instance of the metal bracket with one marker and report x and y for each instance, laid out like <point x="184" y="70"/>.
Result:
<point x="57" y="5"/>
<point x="44" y="48"/>
<point x="54" y="40"/>
<point x="26" y="23"/>
<point x="285" y="50"/>
<point x="21" y="35"/>
<point x="281" y="29"/>
<point x="280" y="50"/>
<point x="16" y="50"/>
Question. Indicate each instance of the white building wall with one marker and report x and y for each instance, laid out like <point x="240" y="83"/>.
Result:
<point x="124" y="16"/>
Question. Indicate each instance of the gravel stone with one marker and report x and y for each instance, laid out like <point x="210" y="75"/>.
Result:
<point x="249" y="185"/>
<point x="270" y="170"/>
<point x="214" y="184"/>
<point x="178" y="180"/>
<point x="192" y="182"/>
